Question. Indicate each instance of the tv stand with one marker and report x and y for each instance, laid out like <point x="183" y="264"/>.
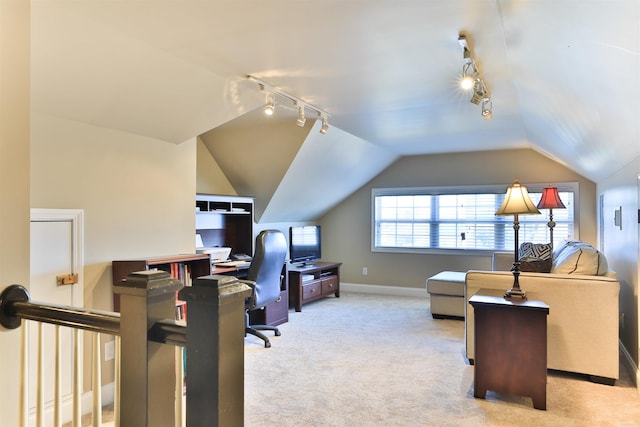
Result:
<point x="311" y="282"/>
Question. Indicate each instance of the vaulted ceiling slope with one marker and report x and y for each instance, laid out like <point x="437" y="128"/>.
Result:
<point x="294" y="173"/>
<point x="562" y="74"/>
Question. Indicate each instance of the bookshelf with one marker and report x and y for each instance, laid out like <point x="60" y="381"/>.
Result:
<point x="183" y="267"/>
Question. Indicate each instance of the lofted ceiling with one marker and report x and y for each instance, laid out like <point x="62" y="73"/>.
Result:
<point x="562" y="75"/>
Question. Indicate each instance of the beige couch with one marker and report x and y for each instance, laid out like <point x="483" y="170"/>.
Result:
<point x="582" y="327"/>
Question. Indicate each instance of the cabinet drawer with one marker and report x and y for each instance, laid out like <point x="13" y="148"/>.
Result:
<point x="329" y="284"/>
<point x="311" y="290"/>
<point x="279" y="309"/>
<point x="278" y="312"/>
<point x="273" y="314"/>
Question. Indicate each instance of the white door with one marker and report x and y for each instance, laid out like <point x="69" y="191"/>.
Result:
<point x="56" y="250"/>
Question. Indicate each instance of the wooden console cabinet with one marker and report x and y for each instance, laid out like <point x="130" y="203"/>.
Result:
<point x="312" y="282"/>
<point x="510" y="347"/>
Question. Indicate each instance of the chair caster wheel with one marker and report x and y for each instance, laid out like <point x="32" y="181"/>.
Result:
<point x="277" y="333"/>
<point x="267" y="344"/>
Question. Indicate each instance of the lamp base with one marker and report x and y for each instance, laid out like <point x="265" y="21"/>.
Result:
<point x="515" y="293"/>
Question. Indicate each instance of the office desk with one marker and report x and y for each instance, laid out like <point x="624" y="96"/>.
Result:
<point x="239" y="271"/>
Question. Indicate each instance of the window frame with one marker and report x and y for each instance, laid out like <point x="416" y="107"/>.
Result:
<point x="467" y="189"/>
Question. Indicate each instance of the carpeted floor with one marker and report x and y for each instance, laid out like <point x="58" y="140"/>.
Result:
<point x="374" y="360"/>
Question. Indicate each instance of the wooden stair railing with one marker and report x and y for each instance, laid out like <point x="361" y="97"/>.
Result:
<point x="212" y="301"/>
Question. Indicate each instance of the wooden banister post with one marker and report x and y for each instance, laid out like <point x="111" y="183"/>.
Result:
<point x="147" y="368"/>
<point x="215" y="351"/>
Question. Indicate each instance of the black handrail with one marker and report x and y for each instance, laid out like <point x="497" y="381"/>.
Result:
<point x="15" y="305"/>
<point x="169" y="332"/>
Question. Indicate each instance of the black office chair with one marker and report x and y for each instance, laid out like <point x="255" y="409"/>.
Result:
<point x="265" y="278"/>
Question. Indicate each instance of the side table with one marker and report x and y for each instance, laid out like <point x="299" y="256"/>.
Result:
<point x="510" y="347"/>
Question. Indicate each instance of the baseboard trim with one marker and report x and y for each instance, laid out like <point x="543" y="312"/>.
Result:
<point x="630" y="365"/>
<point x="106" y="392"/>
<point x="384" y="290"/>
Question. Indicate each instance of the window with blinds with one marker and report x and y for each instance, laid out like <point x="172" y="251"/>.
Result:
<point x="462" y="218"/>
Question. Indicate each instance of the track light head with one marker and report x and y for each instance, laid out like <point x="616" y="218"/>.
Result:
<point x="462" y="41"/>
<point x="466" y="83"/>
<point x="469" y="73"/>
<point x="479" y="91"/>
<point x="301" y="117"/>
<point x="487" y="109"/>
<point x="270" y="105"/>
<point x="325" y="126"/>
<point x="476" y="98"/>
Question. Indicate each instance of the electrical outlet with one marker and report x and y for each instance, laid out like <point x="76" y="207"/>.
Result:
<point x="109" y="350"/>
<point x="365" y="271"/>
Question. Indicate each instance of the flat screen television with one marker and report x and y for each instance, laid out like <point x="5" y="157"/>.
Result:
<point x="304" y="244"/>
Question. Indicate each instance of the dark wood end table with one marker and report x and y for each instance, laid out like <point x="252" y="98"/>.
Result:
<point x="510" y="347"/>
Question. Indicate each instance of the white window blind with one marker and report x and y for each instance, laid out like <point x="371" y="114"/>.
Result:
<point x="462" y="218"/>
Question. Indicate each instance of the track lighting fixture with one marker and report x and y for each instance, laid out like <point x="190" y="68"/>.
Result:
<point x="471" y="80"/>
<point x="269" y="107"/>
<point x="301" y="118"/>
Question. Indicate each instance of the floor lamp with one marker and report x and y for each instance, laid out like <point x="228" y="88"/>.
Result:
<point x="516" y="202"/>
<point x="551" y="200"/>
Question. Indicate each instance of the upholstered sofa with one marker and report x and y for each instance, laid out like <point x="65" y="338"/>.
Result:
<point x="582" y="327"/>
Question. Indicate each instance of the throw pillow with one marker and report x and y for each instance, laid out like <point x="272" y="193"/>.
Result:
<point x="535" y="265"/>
<point x="577" y="257"/>
<point x="535" y="250"/>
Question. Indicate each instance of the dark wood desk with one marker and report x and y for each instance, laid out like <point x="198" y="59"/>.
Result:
<point x="510" y="347"/>
<point x="239" y="271"/>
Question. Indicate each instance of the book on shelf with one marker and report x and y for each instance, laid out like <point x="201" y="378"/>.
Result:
<point x="307" y="277"/>
<point x="181" y="310"/>
<point x="181" y="271"/>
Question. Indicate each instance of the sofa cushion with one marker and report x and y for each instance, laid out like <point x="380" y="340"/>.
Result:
<point x="535" y="250"/>
<point x="447" y="283"/>
<point x="576" y="257"/>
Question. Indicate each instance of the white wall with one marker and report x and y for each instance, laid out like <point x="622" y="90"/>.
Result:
<point x="621" y="247"/>
<point x="210" y="178"/>
<point x="138" y="196"/>
<point x="14" y="184"/>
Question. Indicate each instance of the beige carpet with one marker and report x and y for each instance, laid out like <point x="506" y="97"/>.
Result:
<point x="372" y="360"/>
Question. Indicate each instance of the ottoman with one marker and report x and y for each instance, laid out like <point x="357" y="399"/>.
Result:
<point x="446" y="291"/>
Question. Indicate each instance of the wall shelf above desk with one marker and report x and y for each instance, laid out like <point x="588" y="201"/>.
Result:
<point x="225" y="221"/>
